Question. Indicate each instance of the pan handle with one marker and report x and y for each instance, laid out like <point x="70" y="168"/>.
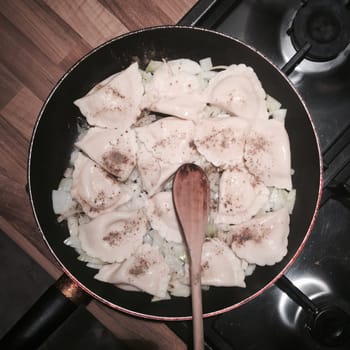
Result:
<point x="45" y="316"/>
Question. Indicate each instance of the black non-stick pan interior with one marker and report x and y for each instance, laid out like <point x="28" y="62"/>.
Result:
<point x="56" y="131"/>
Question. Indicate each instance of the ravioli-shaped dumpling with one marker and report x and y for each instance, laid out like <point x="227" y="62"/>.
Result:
<point x="262" y="240"/>
<point x="113" y="150"/>
<point x="241" y="196"/>
<point x="162" y="147"/>
<point x="175" y="89"/>
<point x="145" y="270"/>
<point x="95" y="189"/>
<point x="162" y="216"/>
<point x="116" y="102"/>
<point x="237" y="90"/>
<point x="220" y="266"/>
<point x="267" y="153"/>
<point x="112" y="237"/>
<point x="221" y="140"/>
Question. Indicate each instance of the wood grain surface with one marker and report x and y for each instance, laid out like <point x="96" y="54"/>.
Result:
<point x="39" y="41"/>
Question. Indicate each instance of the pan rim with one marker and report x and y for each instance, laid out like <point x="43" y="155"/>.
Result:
<point x="76" y="279"/>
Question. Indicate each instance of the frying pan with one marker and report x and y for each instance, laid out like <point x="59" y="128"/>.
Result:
<point x="56" y="130"/>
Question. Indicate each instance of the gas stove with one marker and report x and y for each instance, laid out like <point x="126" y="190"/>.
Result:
<point x="309" y="307"/>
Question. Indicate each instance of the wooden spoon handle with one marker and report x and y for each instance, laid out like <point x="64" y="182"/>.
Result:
<point x="197" y="309"/>
<point x="192" y="199"/>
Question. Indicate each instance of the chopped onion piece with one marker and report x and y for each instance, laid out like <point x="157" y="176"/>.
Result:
<point x="62" y="202"/>
<point x="68" y="172"/>
<point x="207" y="75"/>
<point x="211" y="230"/>
<point x="145" y="75"/>
<point x="250" y="269"/>
<point x="206" y="64"/>
<point x="94" y="266"/>
<point x="74" y="155"/>
<point x="279" y="115"/>
<point x="73" y="225"/>
<point x="65" y="184"/>
<point x="291" y="196"/>
<point x="184" y="65"/>
<point x="272" y="104"/>
<point x="279" y="199"/>
<point x="154" y="299"/>
<point x="153" y="66"/>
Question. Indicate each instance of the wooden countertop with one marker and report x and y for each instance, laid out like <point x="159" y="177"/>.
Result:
<point x="39" y="41"/>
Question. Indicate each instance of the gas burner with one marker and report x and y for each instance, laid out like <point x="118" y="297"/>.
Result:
<point x="289" y="309"/>
<point x="307" y="65"/>
<point x="325" y="24"/>
<point x="329" y="325"/>
<point x="314" y="311"/>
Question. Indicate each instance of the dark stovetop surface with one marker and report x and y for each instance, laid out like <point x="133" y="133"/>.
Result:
<point x="273" y="320"/>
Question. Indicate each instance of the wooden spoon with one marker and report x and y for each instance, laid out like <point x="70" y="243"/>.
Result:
<point x="191" y="198"/>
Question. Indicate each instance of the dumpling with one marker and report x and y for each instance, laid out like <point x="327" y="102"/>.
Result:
<point x="145" y="269"/>
<point x="241" y="196"/>
<point x="112" y="237"/>
<point x="220" y="266"/>
<point x="175" y="89"/>
<point x="267" y="153"/>
<point x="95" y="189"/>
<point x="221" y="140"/>
<point x="162" y="216"/>
<point x="113" y="150"/>
<point x="262" y="240"/>
<point x="116" y="102"/>
<point x="237" y="90"/>
<point x="162" y="147"/>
